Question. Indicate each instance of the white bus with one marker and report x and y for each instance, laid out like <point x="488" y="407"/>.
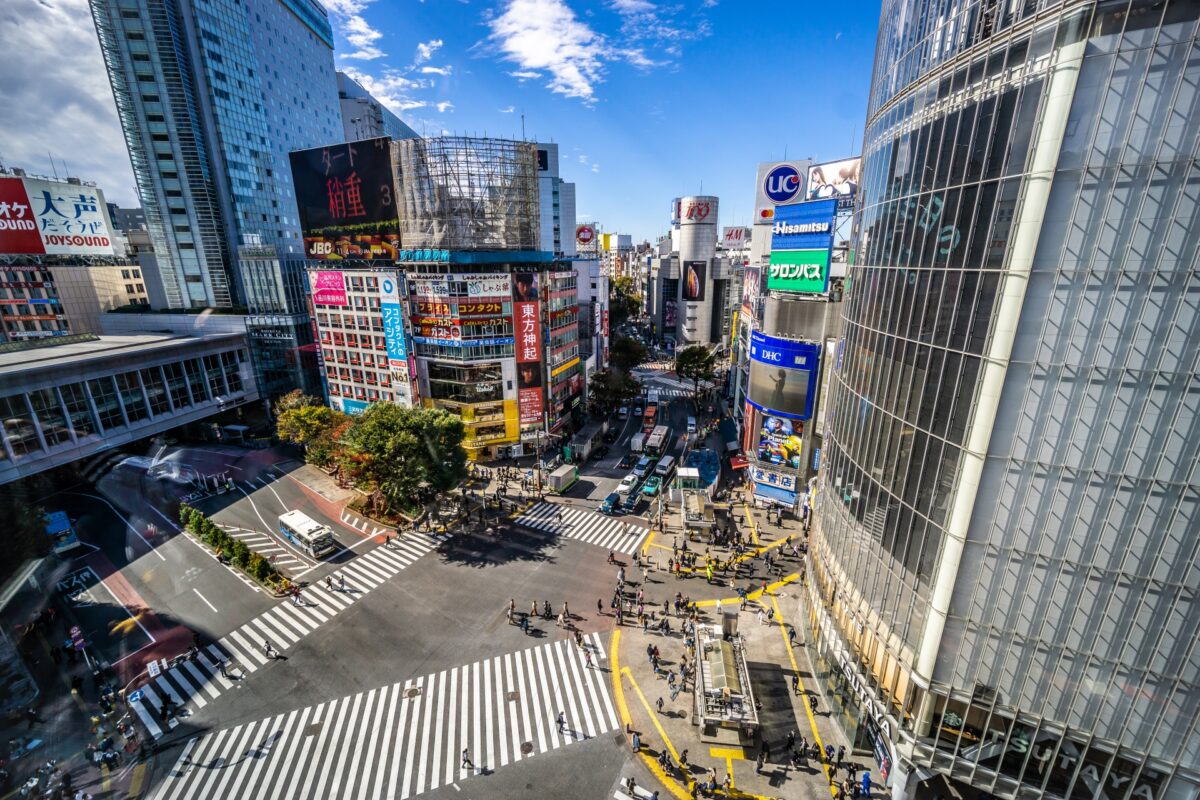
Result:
<point x="658" y="440"/>
<point x="306" y="533"/>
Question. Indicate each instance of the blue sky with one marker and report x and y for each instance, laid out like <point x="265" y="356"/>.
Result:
<point x="648" y="99"/>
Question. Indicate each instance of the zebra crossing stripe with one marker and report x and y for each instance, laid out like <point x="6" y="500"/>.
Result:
<point x="585" y="526"/>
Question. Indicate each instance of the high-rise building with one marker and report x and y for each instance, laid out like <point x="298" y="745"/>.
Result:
<point x="556" y="204"/>
<point x="211" y="98"/>
<point x="1004" y="589"/>
<point x="365" y="117"/>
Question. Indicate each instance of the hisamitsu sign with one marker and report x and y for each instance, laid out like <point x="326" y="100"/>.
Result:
<point x="804" y="226"/>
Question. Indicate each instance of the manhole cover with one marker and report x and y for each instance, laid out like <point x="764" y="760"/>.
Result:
<point x="413" y="692"/>
<point x="526" y="748"/>
<point x="513" y="695"/>
<point x="313" y="729"/>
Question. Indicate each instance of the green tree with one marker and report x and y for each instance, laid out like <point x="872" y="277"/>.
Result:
<point x="695" y="363"/>
<point x="293" y="400"/>
<point x="628" y="353"/>
<point x="410" y="455"/>
<point x="304" y="424"/>
<point x="610" y="389"/>
<point x="624" y="300"/>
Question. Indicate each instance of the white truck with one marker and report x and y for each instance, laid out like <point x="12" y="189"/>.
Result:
<point x="638" y="443"/>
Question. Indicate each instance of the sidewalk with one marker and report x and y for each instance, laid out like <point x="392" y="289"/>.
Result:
<point x="772" y="663"/>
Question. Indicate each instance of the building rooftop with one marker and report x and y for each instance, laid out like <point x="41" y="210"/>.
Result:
<point x="19" y="357"/>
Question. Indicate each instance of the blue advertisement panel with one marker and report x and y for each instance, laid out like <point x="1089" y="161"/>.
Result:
<point x="393" y="319"/>
<point x="783" y="376"/>
<point x="353" y="407"/>
<point x="804" y="226"/>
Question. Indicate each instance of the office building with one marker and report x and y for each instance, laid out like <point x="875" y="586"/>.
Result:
<point x="211" y="99"/>
<point x="1003" y="587"/>
<point x="363" y="116"/>
<point x="556" y="204"/>
<point x="69" y="397"/>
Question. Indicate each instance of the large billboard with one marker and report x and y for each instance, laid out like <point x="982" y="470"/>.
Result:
<point x="779" y="183"/>
<point x="528" y="328"/>
<point x="836" y="179"/>
<point x="803" y="271"/>
<point x="39" y="217"/>
<point x="735" y="238"/>
<point x="694" y="273"/>
<point x="347" y="203"/>
<point x="804" y="226"/>
<point x="779" y="441"/>
<point x="329" y="288"/>
<point x="783" y="376"/>
<point x="391" y="307"/>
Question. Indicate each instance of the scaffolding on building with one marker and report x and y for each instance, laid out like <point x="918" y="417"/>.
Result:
<point x="467" y="193"/>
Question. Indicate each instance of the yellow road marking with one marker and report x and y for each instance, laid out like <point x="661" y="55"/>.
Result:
<point x="727" y="752"/>
<point x="649" y="539"/>
<point x="135" y="782"/>
<point x="623" y="710"/>
<point x="750" y="518"/>
<point x="106" y="783"/>
<point x="653" y="717"/>
<point x="812" y="721"/>
<point x="752" y="596"/>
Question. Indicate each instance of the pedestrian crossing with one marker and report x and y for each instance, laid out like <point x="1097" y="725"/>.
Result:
<point x="286" y="560"/>
<point x="658" y="366"/>
<point x="402" y="740"/>
<point x="193" y="684"/>
<point x="584" y="526"/>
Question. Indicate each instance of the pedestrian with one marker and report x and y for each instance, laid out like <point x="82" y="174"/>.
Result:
<point x="222" y="666"/>
<point x="758" y="764"/>
<point x="329" y="582"/>
<point x="728" y="782"/>
<point x="791" y="741"/>
<point x="269" y="651"/>
<point x="587" y="658"/>
<point x="561" y="719"/>
<point x="467" y="763"/>
<point x="341" y="583"/>
<point x="812" y="702"/>
<point x="841" y="754"/>
<point x="31" y="716"/>
<point x="525" y="624"/>
<point x="795" y="684"/>
<point x="792" y="636"/>
<point x="637" y="742"/>
<point x="683" y="760"/>
<point x="599" y="607"/>
<point x="660" y="705"/>
<point x="866" y="784"/>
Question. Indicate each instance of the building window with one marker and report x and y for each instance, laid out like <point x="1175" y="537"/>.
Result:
<point x="196" y="379"/>
<point x="156" y="391"/>
<point x="49" y="413"/>
<point x="107" y="405"/>
<point x="18" y="425"/>
<point x="131" y="396"/>
<point x="75" y="398"/>
<point x="176" y="385"/>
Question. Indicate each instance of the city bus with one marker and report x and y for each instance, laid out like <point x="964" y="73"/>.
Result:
<point x="306" y="533"/>
<point x="658" y="440"/>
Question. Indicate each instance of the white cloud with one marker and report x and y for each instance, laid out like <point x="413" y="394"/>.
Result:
<point x="632" y="6"/>
<point x="361" y="36"/>
<point x="436" y="70"/>
<point x="425" y="50"/>
<point x="56" y="96"/>
<point x="546" y="35"/>
<point x="507" y="110"/>
<point x="444" y="106"/>
<point x="392" y="88"/>
<point x="661" y="27"/>
<point x="525" y="74"/>
<point x="595" y="167"/>
<point x="583" y="158"/>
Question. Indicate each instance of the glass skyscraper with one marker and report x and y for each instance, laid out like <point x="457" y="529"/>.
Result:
<point x="1004" y="589"/>
<point x="212" y="96"/>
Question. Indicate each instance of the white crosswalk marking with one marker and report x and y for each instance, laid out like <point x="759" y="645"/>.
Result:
<point x="284" y="626"/>
<point x="584" y="526"/>
<point x="331" y="750"/>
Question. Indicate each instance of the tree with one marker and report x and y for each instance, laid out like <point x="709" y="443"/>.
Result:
<point x="303" y="424"/>
<point x="624" y="300"/>
<point x="410" y="455"/>
<point x="610" y="389"/>
<point x="695" y="363"/>
<point x="628" y="353"/>
<point x="293" y="400"/>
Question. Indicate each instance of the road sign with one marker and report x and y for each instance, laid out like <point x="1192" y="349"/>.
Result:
<point x="76" y="637"/>
<point x="153" y="668"/>
<point x="136" y="695"/>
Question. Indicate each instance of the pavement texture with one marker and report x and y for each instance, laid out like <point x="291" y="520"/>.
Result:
<point x="765" y="622"/>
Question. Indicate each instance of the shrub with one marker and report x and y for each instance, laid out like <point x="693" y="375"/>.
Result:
<point x="185" y="515"/>
<point x="241" y="553"/>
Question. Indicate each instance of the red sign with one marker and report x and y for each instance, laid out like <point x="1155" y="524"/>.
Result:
<point x="31" y="317"/>
<point x="487" y="309"/>
<point x="18" y="227"/>
<point x="528" y="331"/>
<point x="604" y="330"/>
<point x="584" y="234"/>
<point x="436" y="309"/>
<point x="698" y="211"/>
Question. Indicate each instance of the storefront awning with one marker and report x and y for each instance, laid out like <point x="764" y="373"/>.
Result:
<point x="739" y="462"/>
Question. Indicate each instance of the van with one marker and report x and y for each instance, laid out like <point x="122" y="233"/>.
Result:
<point x="691" y="425"/>
<point x="611" y="504"/>
<point x="665" y="467"/>
<point x="642" y="468"/>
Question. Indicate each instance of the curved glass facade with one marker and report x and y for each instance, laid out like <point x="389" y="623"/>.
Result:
<point x="1010" y="515"/>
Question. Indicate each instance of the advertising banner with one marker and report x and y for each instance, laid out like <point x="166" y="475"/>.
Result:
<point x="779" y="183"/>
<point x="393" y="319"/>
<point x="525" y="286"/>
<point x="735" y="238"/>
<point x="669" y="314"/>
<point x="585" y="234"/>
<point x="490" y="285"/>
<point x="528" y="328"/>
<point x="836" y="179"/>
<point x="802" y="271"/>
<point x="39" y="217"/>
<point x="345" y="194"/>
<point x="694" y="273"/>
<point x="779" y="442"/>
<point x="783" y="376"/>
<point x="751" y="286"/>
<point x="433" y="288"/>
<point x="804" y="226"/>
<point x="329" y="288"/>
<point x="477" y="309"/>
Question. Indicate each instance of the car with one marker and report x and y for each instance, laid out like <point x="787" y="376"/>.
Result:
<point x="643" y="466"/>
<point x="611" y="436"/>
<point x="600" y="452"/>
<point x="623" y="412"/>
<point x="653" y="484"/>
<point x="627" y="460"/>
<point x="611" y="504"/>
<point x="628" y="484"/>
<point x="639" y="408"/>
